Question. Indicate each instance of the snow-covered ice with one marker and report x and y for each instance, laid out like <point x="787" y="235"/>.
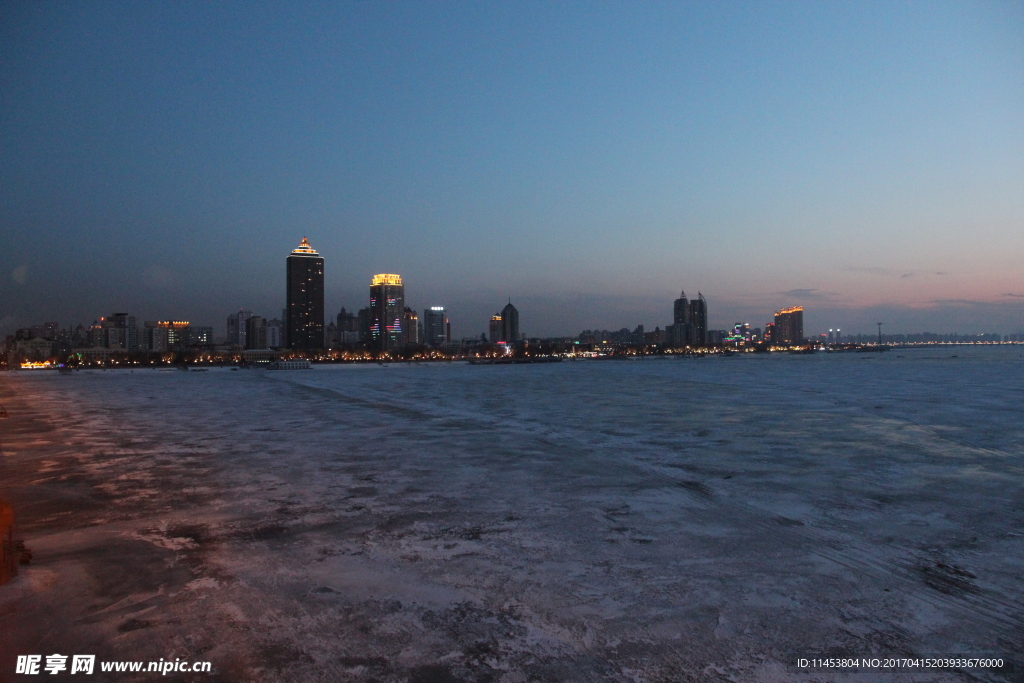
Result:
<point x="652" y="520"/>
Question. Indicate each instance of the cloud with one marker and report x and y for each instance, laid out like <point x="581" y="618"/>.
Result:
<point x="1015" y="296"/>
<point x="812" y="294"/>
<point x="956" y="302"/>
<point x="941" y="272"/>
<point x="906" y="275"/>
<point x="20" y="274"/>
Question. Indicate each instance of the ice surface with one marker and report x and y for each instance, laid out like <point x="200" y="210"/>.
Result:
<point x="654" y="520"/>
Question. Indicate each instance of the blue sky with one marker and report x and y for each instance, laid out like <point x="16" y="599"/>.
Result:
<point x="588" y="160"/>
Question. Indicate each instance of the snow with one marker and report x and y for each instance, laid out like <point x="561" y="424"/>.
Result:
<point x="652" y="520"/>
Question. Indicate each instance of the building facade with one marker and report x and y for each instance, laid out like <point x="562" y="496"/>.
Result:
<point x="256" y="333"/>
<point x="789" y="326"/>
<point x="275" y="334"/>
<point x="411" y="321"/>
<point x="119" y="332"/>
<point x="509" y="324"/>
<point x="494" y="329"/>
<point x="436" y="327"/>
<point x="236" y="327"/>
<point x="305" y="298"/>
<point x="689" y="322"/>
<point x="387" y="312"/>
<point x="699" y="321"/>
<point x="348" y="328"/>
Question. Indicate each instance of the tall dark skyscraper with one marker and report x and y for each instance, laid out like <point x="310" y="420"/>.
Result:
<point x="509" y="324"/>
<point x="681" y="310"/>
<point x="689" y="322"/>
<point x="305" y="298"/>
<point x="699" y="321"/>
<point x="387" y="312"/>
<point x="680" y="333"/>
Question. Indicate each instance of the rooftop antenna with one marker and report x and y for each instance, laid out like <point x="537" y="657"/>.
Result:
<point x="879" y="334"/>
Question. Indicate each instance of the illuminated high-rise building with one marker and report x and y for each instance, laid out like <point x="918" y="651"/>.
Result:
<point x="789" y="325"/>
<point x="305" y="303"/>
<point x="162" y="335"/>
<point x="494" y="329"/>
<point x="436" y="328"/>
<point x="387" y="312"/>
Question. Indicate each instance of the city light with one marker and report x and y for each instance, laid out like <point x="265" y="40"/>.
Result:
<point x="387" y="279"/>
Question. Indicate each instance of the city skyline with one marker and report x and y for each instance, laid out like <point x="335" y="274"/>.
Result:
<point x="862" y="161"/>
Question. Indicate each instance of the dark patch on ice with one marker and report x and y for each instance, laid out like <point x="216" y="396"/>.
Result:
<point x="197" y="533"/>
<point x="262" y="532"/>
<point x="432" y="673"/>
<point x="617" y="511"/>
<point x="323" y="589"/>
<point x="362" y="491"/>
<point x="786" y="521"/>
<point x="396" y="522"/>
<point x="948" y="579"/>
<point x="697" y="488"/>
<point x="133" y="625"/>
<point x="368" y="662"/>
<point x="702" y="432"/>
<point x="282" y="656"/>
<point x="119" y="568"/>
<point x="481" y="648"/>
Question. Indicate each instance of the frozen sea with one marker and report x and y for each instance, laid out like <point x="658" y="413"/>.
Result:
<point x="706" y="519"/>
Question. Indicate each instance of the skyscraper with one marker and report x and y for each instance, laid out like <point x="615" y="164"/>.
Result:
<point x="789" y="325"/>
<point x="435" y="326"/>
<point x="236" y="327"/>
<point x="681" y="331"/>
<point x="348" y="327"/>
<point x="387" y="312"/>
<point x="681" y="310"/>
<point x="412" y="327"/>
<point x="256" y="332"/>
<point x="699" y="321"/>
<point x="305" y="298"/>
<point x="509" y="324"/>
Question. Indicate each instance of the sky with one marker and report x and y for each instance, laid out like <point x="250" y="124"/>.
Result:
<point x="587" y="160"/>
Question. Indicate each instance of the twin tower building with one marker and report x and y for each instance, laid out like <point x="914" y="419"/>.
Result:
<point x="386" y="325"/>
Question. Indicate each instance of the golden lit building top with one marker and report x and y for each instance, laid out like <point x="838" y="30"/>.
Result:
<point x="386" y="279"/>
<point x="496" y="318"/>
<point x="304" y="249"/>
<point x="172" y="323"/>
<point x="791" y="309"/>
